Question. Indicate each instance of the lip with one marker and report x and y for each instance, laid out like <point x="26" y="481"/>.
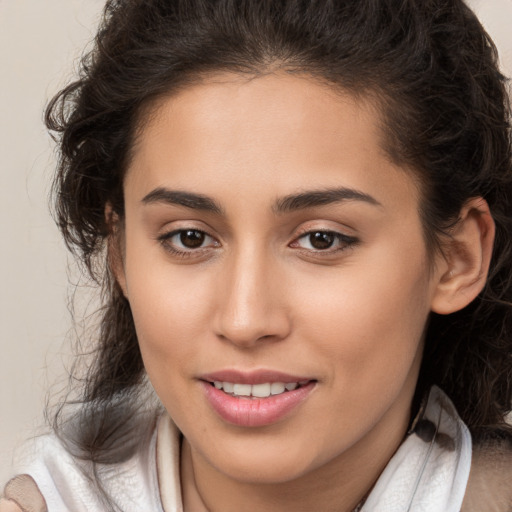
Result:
<point x="253" y="377"/>
<point x="255" y="412"/>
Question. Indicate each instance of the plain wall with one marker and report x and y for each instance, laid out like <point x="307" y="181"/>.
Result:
<point x="40" y="41"/>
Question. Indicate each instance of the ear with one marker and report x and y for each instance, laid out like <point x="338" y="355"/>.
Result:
<point x="115" y="247"/>
<point x="466" y="255"/>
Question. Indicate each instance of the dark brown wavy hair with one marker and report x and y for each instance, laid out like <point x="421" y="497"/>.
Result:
<point x="433" y="70"/>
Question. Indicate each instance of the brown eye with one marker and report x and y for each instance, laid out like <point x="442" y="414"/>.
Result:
<point x="192" y="238"/>
<point x="187" y="241"/>
<point x="322" y="240"/>
<point x="327" y="242"/>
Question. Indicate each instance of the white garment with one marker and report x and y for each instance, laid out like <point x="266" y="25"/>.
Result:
<point x="430" y="470"/>
<point x="132" y="484"/>
<point x="428" y="473"/>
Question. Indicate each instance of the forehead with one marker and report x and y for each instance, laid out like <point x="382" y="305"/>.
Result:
<point x="251" y="106"/>
<point x="292" y="131"/>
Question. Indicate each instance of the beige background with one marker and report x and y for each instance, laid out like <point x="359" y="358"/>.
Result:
<point x="39" y="42"/>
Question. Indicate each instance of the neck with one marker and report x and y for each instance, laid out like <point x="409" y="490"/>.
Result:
<point x="337" y="486"/>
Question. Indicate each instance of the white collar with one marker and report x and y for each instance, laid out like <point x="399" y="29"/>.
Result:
<point x="430" y="470"/>
<point x="168" y="443"/>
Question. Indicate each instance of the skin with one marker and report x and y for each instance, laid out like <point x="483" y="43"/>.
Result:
<point x="257" y="295"/>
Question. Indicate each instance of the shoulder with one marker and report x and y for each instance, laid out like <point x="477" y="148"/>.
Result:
<point x="490" y="480"/>
<point x="51" y="478"/>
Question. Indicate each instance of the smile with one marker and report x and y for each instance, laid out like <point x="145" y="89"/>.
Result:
<point x="263" y="390"/>
<point x="255" y="399"/>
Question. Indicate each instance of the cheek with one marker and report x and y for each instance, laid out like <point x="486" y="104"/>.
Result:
<point x="369" y="319"/>
<point x="169" y="314"/>
<point x="366" y="332"/>
<point x="170" y="307"/>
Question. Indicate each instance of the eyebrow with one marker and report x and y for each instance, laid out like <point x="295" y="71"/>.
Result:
<point x="315" y="198"/>
<point x="290" y="203"/>
<point x="180" y="198"/>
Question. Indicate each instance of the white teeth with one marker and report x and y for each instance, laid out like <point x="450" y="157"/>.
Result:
<point x="242" y="389"/>
<point x="276" y="388"/>
<point x="228" y="387"/>
<point x="257" y="390"/>
<point x="261" y="390"/>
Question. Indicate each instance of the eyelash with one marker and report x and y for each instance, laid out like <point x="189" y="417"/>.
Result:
<point x="344" y="242"/>
<point x="166" y="241"/>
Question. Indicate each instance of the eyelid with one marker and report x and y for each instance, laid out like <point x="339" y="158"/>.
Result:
<point x="315" y="227"/>
<point x="346" y="241"/>
<point x="165" y="240"/>
<point x="169" y="229"/>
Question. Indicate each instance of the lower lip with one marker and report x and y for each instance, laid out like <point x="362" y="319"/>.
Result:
<point x="255" y="412"/>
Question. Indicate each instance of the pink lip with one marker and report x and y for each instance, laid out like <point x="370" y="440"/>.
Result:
<point x="254" y="412"/>
<point x="252" y="377"/>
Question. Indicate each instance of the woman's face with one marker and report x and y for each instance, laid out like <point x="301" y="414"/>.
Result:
<point x="271" y="244"/>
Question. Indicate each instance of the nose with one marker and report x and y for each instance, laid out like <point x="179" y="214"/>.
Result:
<point x="251" y="304"/>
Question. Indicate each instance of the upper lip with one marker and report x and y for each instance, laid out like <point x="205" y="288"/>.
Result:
<point x="252" y="377"/>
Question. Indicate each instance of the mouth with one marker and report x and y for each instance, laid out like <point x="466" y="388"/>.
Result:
<point x="255" y="399"/>
<point x="253" y="391"/>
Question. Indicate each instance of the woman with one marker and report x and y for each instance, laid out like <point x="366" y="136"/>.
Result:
<point x="300" y="215"/>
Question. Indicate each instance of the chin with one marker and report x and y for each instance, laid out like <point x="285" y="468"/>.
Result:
<point x="272" y="466"/>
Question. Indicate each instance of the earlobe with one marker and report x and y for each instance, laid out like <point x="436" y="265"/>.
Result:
<point x="466" y="258"/>
<point x="115" y="257"/>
